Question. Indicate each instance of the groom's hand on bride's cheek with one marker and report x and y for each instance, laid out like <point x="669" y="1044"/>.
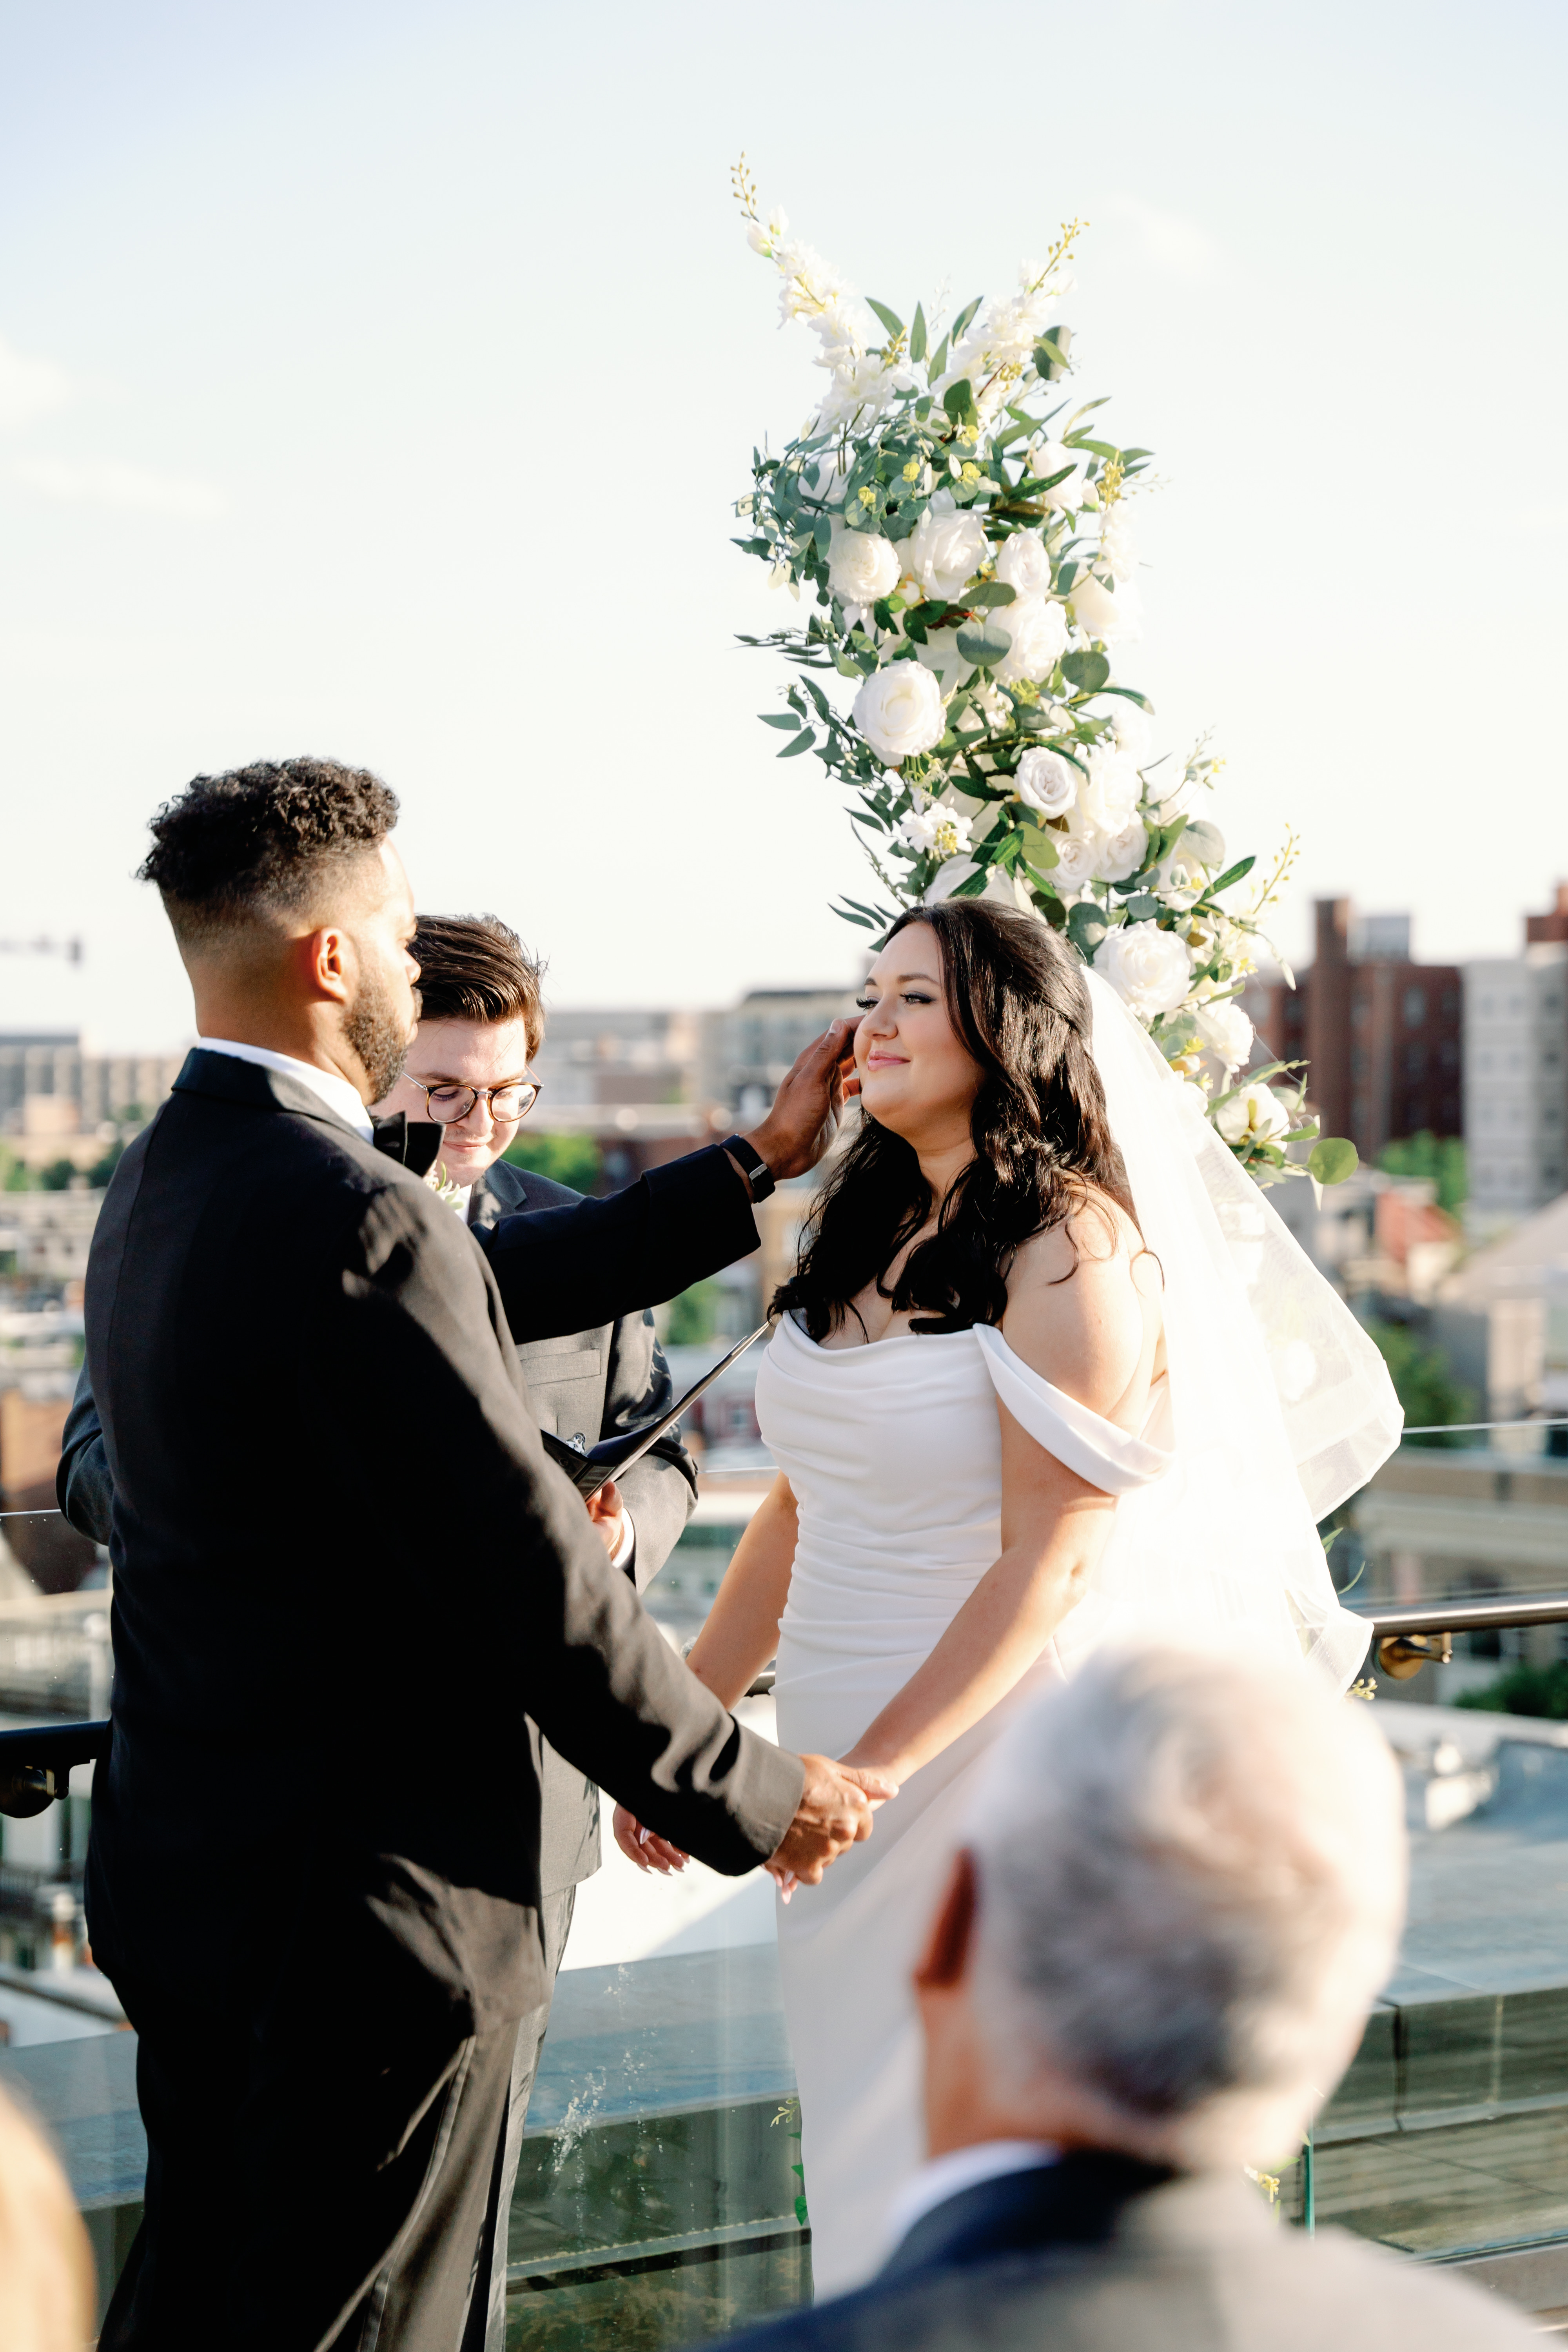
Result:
<point x="834" y="1814"/>
<point x="807" y="1107"/>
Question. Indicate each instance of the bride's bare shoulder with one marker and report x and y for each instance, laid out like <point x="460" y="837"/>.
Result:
<point x="1097" y="1242"/>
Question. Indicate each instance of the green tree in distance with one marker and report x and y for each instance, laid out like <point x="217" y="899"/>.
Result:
<point x="1423" y="1381"/>
<point x="574" y="1159"/>
<point x="1442" y="1163"/>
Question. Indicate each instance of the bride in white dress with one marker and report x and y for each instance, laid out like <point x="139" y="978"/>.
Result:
<point x="1049" y="1368"/>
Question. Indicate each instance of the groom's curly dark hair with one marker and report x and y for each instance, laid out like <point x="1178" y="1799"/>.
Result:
<point x="1017" y="1002"/>
<point x="258" y="840"/>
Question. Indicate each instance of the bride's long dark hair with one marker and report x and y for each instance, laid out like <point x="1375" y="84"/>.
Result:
<point x="1017" y="1002"/>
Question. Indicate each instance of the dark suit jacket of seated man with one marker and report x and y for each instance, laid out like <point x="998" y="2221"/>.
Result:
<point x="314" y="1868"/>
<point x="1185" y="1885"/>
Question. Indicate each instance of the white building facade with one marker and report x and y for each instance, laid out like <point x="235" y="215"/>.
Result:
<point x="1515" y="1084"/>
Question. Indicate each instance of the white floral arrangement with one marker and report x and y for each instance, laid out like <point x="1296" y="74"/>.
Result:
<point x="973" y="565"/>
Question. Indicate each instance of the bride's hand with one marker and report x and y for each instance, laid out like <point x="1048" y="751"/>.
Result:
<point x="646" y="1847"/>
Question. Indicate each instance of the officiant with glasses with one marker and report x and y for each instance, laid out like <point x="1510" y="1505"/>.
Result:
<point x="481" y="1023"/>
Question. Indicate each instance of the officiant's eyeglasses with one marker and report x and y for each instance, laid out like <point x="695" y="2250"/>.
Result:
<point x="450" y="1104"/>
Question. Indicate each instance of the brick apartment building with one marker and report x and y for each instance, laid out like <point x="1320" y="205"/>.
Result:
<point x="1382" y="1035"/>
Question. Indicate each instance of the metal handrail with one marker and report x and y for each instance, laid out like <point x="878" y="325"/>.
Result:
<point x="1463" y="1616"/>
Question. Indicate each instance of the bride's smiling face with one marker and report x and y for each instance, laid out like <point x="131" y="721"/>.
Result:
<point x="916" y="1077"/>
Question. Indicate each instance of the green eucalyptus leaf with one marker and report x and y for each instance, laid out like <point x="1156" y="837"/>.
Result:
<point x="803" y="742"/>
<point x="983" y="648"/>
<point x="779" y="719"/>
<point x="1088" y="672"/>
<point x="989" y="595"/>
<point x="960" y="324"/>
<point x="918" y="336"/>
<point x="1038" y="848"/>
<point x="1333" y="1159"/>
<point x="1131" y="695"/>
<point x="890" y="318"/>
<point x="973" y="884"/>
<point x="1233" y="874"/>
<point x="959" y="400"/>
<point x="1087" y="927"/>
<point x="1143" y="907"/>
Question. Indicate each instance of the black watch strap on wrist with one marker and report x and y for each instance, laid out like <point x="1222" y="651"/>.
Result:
<point x="758" y="1173"/>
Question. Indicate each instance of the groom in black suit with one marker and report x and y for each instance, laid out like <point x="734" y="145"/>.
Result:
<point x="314" y="1870"/>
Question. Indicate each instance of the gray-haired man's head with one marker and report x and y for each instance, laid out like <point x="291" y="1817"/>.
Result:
<point x="1190" y="1884"/>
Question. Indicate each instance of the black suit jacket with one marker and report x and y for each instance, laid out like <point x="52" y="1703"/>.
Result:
<point x="316" y="1778"/>
<point x="1102" y="2253"/>
<point x="584" y="1386"/>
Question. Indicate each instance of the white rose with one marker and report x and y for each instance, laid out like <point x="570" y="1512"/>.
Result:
<point x="1254" y="1115"/>
<point x="937" y="830"/>
<point x="1077" y="851"/>
<point x="1106" y="616"/>
<point x="1226" y="1031"/>
<point x="1024" y="565"/>
<point x="1046" y="781"/>
<point x="861" y="566"/>
<point x="1048" y="458"/>
<point x="1122" y="853"/>
<point x="1147" y="967"/>
<point x="1036" y="631"/>
<point x="946" y="548"/>
<point x="899" y="712"/>
<point x="1111" y="793"/>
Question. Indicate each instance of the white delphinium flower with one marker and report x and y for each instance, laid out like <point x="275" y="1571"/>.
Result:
<point x="1116" y="546"/>
<point x="1048" y="458"/>
<point x="1122" y="853"/>
<point x="1112" y="618"/>
<point x="1000" y="344"/>
<point x="1046" y="781"/>
<point x="861" y="566"/>
<point x="1254" y="1116"/>
<point x="1035" y="628"/>
<point x="946" y="548"/>
<point x="1226" y="1030"/>
<point x="1147" y="967"/>
<point x="1023" y="564"/>
<point x="899" y="712"/>
<point x="1130" y="727"/>
<point x="994" y="709"/>
<point x="937" y="830"/>
<point x="765" y="237"/>
<point x="1111" y="791"/>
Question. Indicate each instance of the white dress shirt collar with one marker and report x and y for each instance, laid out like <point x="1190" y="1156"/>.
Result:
<point x="335" y="1092"/>
<point x="961" y="2167"/>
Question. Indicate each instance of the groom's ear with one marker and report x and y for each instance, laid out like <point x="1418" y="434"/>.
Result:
<point x="944" y="1963"/>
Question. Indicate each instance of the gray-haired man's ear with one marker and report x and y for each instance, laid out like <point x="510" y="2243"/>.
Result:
<point x="944" y="1963"/>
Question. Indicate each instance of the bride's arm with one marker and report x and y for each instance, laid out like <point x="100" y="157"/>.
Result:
<point x="742" y="1631"/>
<point x="740" y="1636"/>
<point x="1094" y="1335"/>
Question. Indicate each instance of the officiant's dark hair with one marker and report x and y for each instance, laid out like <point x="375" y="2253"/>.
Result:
<point x="1017" y="1002"/>
<point x="475" y="968"/>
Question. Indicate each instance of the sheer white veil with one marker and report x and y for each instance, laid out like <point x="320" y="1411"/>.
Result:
<point x="1279" y="1405"/>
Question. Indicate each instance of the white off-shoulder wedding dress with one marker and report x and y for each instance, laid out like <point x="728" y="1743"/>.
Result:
<point x="1275" y="1407"/>
<point x="893" y="1451"/>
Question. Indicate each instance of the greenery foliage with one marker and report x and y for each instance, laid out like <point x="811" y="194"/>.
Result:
<point x="1423" y="1381"/>
<point x="1441" y="1162"/>
<point x="692" y="1319"/>
<point x="1524" y="1689"/>
<point x="574" y="1159"/>
<point x="963" y="537"/>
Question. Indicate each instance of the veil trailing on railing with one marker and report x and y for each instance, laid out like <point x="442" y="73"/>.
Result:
<point x="1279" y="1405"/>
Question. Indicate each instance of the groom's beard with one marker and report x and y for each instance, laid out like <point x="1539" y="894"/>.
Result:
<point x="377" y="1028"/>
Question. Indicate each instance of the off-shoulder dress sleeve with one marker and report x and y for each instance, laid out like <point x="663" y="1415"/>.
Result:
<point x="1110" y="1458"/>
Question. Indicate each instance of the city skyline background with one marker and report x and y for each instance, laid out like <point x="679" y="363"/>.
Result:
<point x="376" y="383"/>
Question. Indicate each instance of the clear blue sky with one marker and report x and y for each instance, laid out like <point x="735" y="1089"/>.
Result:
<point x="373" y="380"/>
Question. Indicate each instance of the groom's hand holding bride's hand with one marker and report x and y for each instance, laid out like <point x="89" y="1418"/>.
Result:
<point x="834" y="1814"/>
<point x="808" y="1107"/>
